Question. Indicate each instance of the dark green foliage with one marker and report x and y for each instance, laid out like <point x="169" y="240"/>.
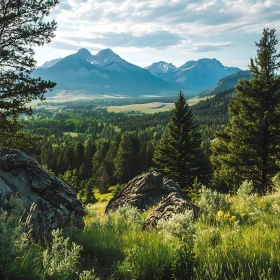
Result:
<point x="127" y="158"/>
<point x="12" y="136"/>
<point x="248" y="147"/>
<point x="178" y="155"/>
<point x="22" y="26"/>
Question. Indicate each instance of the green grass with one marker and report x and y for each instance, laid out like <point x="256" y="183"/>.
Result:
<point x="150" y="108"/>
<point x="235" y="237"/>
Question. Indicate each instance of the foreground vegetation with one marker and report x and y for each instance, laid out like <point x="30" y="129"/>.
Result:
<point x="235" y="237"/>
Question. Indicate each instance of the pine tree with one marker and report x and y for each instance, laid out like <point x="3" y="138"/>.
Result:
<point x="22" y="27"/>
<point x="178" y="155"/>
<point x="126" y="164"/>
<point x="248" y="147"/>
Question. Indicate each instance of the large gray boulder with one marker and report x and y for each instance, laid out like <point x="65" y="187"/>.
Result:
<point x="53" y="204"/>
<point x="174" y="203"/>
<point x="143" y="191"/>
<point x="152" y="189"/>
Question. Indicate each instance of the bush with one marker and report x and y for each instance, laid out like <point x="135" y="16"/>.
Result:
<point x="178" y="232"/>
<point x="13" y="239"/>
<point x="276" y="181"/>
<point x="212" y="201"/>
<point x="130" y="215"/>
<point x="61" y="260"/>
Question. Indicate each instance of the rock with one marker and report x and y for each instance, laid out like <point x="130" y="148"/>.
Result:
<point x="143" y="191"/>
<point x="53" y="204"/>
<point x="174" y="203"/>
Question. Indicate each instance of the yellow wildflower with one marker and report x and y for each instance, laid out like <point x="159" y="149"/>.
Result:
<point x="226" y="215"/>
<point x="220" y="214"/>
<point x="232" y="218"/>
<point x="228" y="195"/>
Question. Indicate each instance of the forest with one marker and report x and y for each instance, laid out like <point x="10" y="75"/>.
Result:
<point x="223" y="153"/>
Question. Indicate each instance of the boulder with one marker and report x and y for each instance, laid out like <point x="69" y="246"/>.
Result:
<point x="143" y="191"/>
<point x="53" y="203"/>
<point x="174" y="203"/>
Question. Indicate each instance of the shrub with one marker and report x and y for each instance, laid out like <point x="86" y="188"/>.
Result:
<point x="276" y="181"/>
<point x="13" y="239"/>
<point x="245" y="194"/>
<point x="130" y="215"/>
<point x="178" y="232"/>
<point x="212" y="201"/>
<point x="61" y="260"/>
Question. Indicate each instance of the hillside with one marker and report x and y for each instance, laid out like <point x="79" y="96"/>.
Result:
<point x="226" y="83"/>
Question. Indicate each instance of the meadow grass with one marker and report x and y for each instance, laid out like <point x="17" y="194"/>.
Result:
<point x="147" y="108"/>
<point x="235" y="237"/>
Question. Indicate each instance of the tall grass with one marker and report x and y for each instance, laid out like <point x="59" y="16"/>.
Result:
<point x="235" y="237"/>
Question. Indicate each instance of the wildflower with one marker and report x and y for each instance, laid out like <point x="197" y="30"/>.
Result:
<point x="220" y="214"/>
<point x="227" y="216"/>
<point x="232" y="218"/>
<point x="228" y="196"/>
<point x="242" y="215"/>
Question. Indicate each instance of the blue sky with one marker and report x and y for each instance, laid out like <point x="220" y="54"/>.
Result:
<point x="175" y="31"/>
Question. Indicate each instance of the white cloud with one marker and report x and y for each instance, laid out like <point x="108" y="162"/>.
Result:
<point x="187" y="25"/>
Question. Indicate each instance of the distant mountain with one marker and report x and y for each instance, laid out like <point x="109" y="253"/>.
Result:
<point x="103" y="73"/>
<point x="161" y="69"/>
<point x="50" y="63"/>
<point x="226" y="83"/>
<point x="194" y="75"/>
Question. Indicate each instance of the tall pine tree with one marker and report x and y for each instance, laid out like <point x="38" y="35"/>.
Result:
<point x="248" y="147"/>
<point x="178" y="155"/>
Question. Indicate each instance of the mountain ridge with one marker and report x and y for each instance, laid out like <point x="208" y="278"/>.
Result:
<point x="107" y="73"/>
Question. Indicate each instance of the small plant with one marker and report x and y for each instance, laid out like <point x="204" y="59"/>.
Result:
<point x="130" y="214"/>
<point x="179" y="225"/>
<point x="276" y="181"/>
<point x="245" y="189"/>
<point x="212" y="201"/>
<point x="13" y="240"/>
<point x="87" y="275"/>
<point x="61" y="260"/>
<point x="246" y="196"/>
<point x="178" y="232"/>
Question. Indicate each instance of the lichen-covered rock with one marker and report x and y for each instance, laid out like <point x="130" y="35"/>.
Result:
<point x="143" y="191"/>
<point x="53" y="204"/>
<point x="174" y="203"/>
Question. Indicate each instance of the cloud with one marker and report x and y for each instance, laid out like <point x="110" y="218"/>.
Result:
<point x="157" y="39"/>
<point x="209" y="47"/>
<point x="162" y="23"/>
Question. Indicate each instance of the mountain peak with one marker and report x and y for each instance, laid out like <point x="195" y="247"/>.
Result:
<point x="106" y="52"/>
<point x="84" y="53"/>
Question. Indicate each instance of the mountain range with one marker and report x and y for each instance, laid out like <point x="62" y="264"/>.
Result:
<point x="107" y="73"/>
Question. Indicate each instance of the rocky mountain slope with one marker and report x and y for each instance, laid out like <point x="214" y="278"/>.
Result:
<point x="193" y="75"/>
<point x="107" y="73"/>
<point x="103" y="73"/>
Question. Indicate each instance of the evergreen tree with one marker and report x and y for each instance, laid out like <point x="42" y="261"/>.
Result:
<point x="127" y="159"/>
<point x="178" y="155"/>
<point x="22" y="27"/>
<point x="248" y="147"/>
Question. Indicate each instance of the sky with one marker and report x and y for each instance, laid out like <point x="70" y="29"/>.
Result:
<point x="175" y="31"/>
